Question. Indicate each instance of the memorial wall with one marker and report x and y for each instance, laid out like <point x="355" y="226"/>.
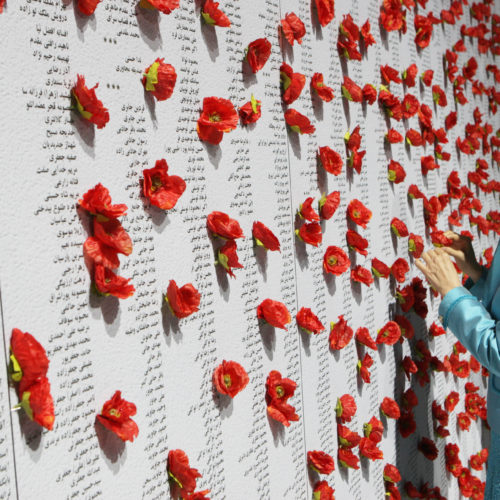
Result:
<point x="216" y="211"/>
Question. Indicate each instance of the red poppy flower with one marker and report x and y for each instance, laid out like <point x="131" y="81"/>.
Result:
<point x="213" y="16"/>
<point x="228" y="258"/>
<point x="390" y="408"/>
<point x="439" y="413"/>
<point x="414" y="138"/>
<point x="97" y="201"/>
<point x="389" y="74"/>
<point x="165" y="6"/>
<point x="427" y="163"/>
<point x="38" y="404"/>
<point x="340" y="334"/>
<point x="463" y="421"/>
<point x="409" y="399"/>
<point x="274" y="312"/>
<point x="230" y="378"/>
<point x="405" y="297"/>
<point x="112" y="234"/>
<point x="2" y="4"/>
<point x="307" y="212"/>
<point x="392" y="17"/>
<point x="353" y="139"/>
<point x="298" y="122"/>
<point x="470" y="387"/>
<point x="258" y="53"/>
<point x="363" y="337"/>
<point x="356" y="242"/>
<point x="347" y="458"/>
<point x="379" y="269"/>
<point x="405" y="326"/>
<point x="264" y="237"/>
<point x="115" y="416"/>
<point x="221" y="225"/>
<point x="310" y="234"/>
<point x="426" y="77"/>
<point x="369" y="93"/>
<point x="197" y="495"/>
<point x="356" y="160"/>
<point x="86" y="7"/>
<point x="391" y="473"/>
<point x="409" y="106"/>
<point x="409" y="75"/>
<point x="293" y="28"/>
<point x="161" y="189"/>
<point x="363" y="368"/>
<point x="322" y="491"/>
<point x="399" y="227"/>
<point x="278" y="391"/>
<point x="109" y="283"/>
<point x="393" y="136"/>
<point x="345" y="408"/>
<point x="435" y="330"/>
<point x="415" y="245"/>
<point x="439" y="239"/>
<point x="351" y="91"/>
<point x="87" y="103"/>
<point x="409" y="366"/>
<point x="308" y="321"/>
<point x="250" y="112"/>
<point x="325" y="10"/>
<point x="328" y="205"/>
<point x="395" y="172"/>
<point x="217" y="116"/>
<point x="159" y="79"/>
<point x="346" y="437"/>
<point x="439" y="96"/>
<point x="291" y="83"/>
<point x="182" y="301"/>
<point x="451" y="120"/>
<point x="28" y="361"/>
<point x="428" y="448"/>
<point x="361" y="275"/>
<point x="389" y="334"/>
<point x="368" y="449"/>
<point x="358" y="213"/>
<point x="183" y="476"/>
<point x="451" y="401"/>
<point x="399" y="269"/>
<point x="423" y="30"/>
<point x="324" y="92"/>
<point x="365" y="31"/>
<point x="320" y="462"/>
<point x="335" y="261"/>
<point x="330" y="160"/>
<point x="407" y="424"/>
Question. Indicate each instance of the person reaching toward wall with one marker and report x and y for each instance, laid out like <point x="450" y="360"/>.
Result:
<point x="472" y="313"/>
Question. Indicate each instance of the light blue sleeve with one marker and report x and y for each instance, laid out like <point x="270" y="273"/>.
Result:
<point x="468" y="319"/>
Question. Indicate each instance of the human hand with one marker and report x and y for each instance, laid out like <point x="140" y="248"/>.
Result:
<point x="463" y="253"/>
<point x="437" y="267"/>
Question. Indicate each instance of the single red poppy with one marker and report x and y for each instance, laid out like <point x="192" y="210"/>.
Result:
<point x="318" y="85"/>
<point x="228" y="258"/>
<point x="436" y="330"/>
<point x="379" y="269"/>
<point x="428" y="448"/>
<point x="325" y="10"/>
<point x="390" y="408"/>
<point x="365" y="31"/>
<point x="250" y="112"/>
<point x="353" y="139"/>
<point x="409" y="366"/>
<point x="427" y="163"/>
<point x="368" y="449"/>
<point x="463" y="421"/>
<point x="389" y="74"/>
<point x="347" y="458"/>
<point x="345" y="408"/>
<point x="330" y="160"/>
<point x="351" y="91"/>
<point x="221" y="225"/>
<point x="165" y="6"/>
<point x="356" y="242"/>
<point x="409" y="75"/>
<point x="87" y="103"/>
<point x="340" y="334"/>
<point x="414" y="138"/>
<point x="161" y="189"/>
<point x="328" y="205"/>
<point x="112" y="234"/>
<point x="257" y="53"/>
<point x="450" y="120"/>
<point x="86" y="7"/>
<point x="415" y="245"/>
<point x="298" y="122"/>
<point x="407" y="424"/>
<point x="369" y="93"/>
<point x="451" y="401"/>
<point x="399" y="228"/>
<point x="361" y="275"/>
<point x="426" y="77"/>
<point x="275" y="313"/>
<point x="291" y="83"/>
<point x="213" y="16"/>
<point x="395" y="172"/>
<point x="363" y="368"/>
<point x="346" y="437"/>
<point x="307" y="212"/>
<point x="399" y="269"/>
<point x="217" y="116"/>
<point x="409" y="399"/>
<point x="97" y="201"/>
<point x="356" y="160"/>
<point x="322" y="491"/>
<point x="310" y="233"/>
<point x="159" y="79"/>
<point x="391" y="473"/>
<point x="182" y="301"/>
<point x="37" y="403"/>
<point x="389" y="334"/>
<point x="96" y="252"/>
<point x="278" y="391"/>
<point x="439" y="96"/>
<point x="264" y="237"/>
<point x="423" y="30"/>
<point x="409" y="106"/>
<point x="393" y="136"/>
<point x="358" y="213"/>
<point x="308" y="321"/>
<point x="335" y="261"/>
<point x="320" y="462"/>
<point x="363" y="337"/>
<point x="109" y="283"/>
<point x="373" y="430"/>
<point x="182" y="476"/>
<point x="28" y="360"/>
<point x="115" y="416"/>
<point x="230" y="378"/>
<point x="293" y="28"/>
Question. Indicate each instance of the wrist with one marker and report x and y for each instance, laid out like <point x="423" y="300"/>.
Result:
<point x="474" y="272"/>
